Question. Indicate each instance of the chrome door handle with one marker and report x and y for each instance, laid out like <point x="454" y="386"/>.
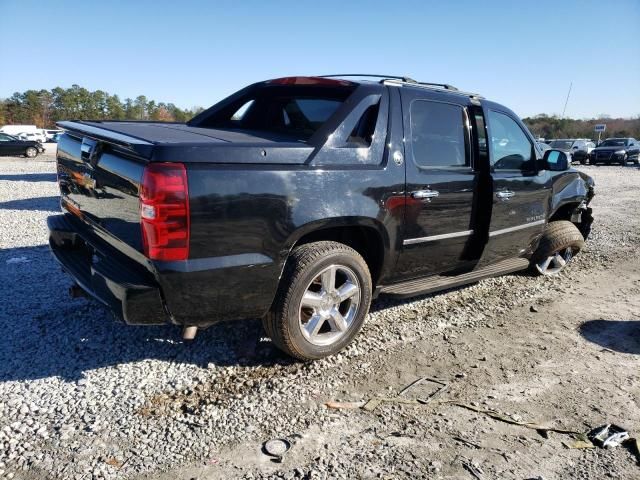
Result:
<point x="505" y="194"/>
<point x="422" y="194"/>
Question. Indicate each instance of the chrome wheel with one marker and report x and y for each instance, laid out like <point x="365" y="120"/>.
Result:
<point x="554" y="263"/>
<point x="329" y="305"/>
<point x="31" y="152"/>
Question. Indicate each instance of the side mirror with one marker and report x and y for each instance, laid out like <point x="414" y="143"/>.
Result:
<point x="556" y="161"/>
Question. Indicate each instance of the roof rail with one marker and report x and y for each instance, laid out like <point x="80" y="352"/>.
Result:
<point x="408" y="80"/>
<point x="436" y="86"/>
<point x="446" y="86"/>
<point x="372" y="75"/>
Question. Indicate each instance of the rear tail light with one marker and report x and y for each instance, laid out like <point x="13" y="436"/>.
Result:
<point x="164" y="211"/>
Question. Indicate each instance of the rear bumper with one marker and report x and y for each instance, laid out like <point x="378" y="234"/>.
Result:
<point x="122" y="286"/>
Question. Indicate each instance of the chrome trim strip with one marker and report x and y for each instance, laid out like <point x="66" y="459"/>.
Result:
<point x="517" y="227"/>
<point x="433" y="238"/>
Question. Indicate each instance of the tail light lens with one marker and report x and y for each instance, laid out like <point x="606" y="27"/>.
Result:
<point x="164" y="211"/>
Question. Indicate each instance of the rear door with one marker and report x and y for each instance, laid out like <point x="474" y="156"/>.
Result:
<point x="520" y="192"/>
<point x="440" y="185"/>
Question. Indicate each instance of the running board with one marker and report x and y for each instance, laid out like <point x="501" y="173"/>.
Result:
<point x="421" y="286"/>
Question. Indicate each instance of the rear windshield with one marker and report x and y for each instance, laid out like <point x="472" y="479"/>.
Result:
<point x="296" y="112"/>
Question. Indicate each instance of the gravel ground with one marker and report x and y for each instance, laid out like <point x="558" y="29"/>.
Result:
<point x="85" y="396"/>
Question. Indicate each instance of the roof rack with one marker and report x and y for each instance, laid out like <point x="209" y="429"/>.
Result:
<point x="372" y="75"/>
<point x="408" y="80"/>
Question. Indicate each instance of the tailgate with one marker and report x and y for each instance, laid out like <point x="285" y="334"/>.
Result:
<point x="99" y="181"/>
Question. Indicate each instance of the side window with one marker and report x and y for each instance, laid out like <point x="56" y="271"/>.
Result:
<point x="240" y="113"/>
<point x="438" y="135"/>
<point x="5" y="138"/>
<point x="510" y="147"/>
<point x="362" y="134"/>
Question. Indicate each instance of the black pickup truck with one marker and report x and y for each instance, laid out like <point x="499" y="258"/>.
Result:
<point x="299" y="199"/>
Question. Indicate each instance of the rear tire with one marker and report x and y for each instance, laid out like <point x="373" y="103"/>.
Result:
<point x="31" y="152"/>
<point x="560" y="242"/>
<point x="322" y="301"/>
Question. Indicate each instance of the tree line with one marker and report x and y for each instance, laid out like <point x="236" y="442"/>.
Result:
<point x="555" y="127"/>
<point x="44" y="108"/>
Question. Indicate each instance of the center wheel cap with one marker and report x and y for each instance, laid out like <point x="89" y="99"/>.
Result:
<point x="328" y="302"/>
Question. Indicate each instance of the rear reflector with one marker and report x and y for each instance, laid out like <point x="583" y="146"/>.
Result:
<point x="164" y="211"/>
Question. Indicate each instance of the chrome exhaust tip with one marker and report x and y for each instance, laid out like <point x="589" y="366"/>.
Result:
<point x="189" y="333"/>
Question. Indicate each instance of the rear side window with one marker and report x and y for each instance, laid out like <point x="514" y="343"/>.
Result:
<point x="438" y="135"/>
<point x="296" y="112"/>
<point x="362" y="134"/>
<point x="510" y="148"/>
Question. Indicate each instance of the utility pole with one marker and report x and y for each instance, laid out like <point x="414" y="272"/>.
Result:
<point x="567" y="100"/>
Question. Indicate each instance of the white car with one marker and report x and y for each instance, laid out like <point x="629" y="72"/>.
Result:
<point x="50" y="134"/>
<point x="37" y="136"/>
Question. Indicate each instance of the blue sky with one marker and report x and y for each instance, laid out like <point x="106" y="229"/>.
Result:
<point x="520" y="53"/>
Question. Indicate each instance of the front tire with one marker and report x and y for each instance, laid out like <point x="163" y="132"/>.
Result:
<point x="31" y="152"/>
<point x="560" y="242"/>
<point x="322" y="301"/>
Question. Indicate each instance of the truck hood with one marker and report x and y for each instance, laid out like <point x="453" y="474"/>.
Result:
<point x="170" y="142"/>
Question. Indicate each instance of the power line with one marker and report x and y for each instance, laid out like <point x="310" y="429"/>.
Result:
<point x="567" y="100"/>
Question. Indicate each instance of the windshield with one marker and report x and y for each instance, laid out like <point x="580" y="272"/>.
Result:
<point x="562" y="144"/>
<point x="614" y="142"/>
<point x="291" y="110"/>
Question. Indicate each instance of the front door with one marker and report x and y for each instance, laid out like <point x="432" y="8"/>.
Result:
<point x="9" y="145"/>
<point x="520" y="192"/>
<point x="440" y="187"/>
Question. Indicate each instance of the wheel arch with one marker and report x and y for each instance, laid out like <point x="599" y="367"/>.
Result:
<point x="365" y="235"/>
<point x="575" y="212"/>
<point x="571" y="195"/>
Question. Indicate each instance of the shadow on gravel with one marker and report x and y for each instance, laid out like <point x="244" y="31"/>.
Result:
<point x="46" y="333"/>
<point x="619" y="335"/>
<point x="30" y="177"/>
<point x="45" y="204"/>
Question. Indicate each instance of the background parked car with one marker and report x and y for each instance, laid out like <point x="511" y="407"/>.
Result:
<point x="16" y="129"/>
<point x="576" y="147"/>
<point x="10" y="145"/>
<point x="34" y="136"/>
<point x="543" y="146"/>
<point x="616" y="150"/>
<point x="50" y="134"/>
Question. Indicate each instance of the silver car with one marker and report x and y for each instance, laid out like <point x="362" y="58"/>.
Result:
<point x="577" y="148"/>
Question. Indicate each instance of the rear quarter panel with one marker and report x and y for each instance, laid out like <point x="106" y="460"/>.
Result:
<point x="242" y="234"/>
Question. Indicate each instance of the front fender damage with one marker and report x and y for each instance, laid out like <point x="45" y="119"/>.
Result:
<point x="571" y="198"/>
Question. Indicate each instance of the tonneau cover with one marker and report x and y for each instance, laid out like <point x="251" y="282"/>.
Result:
<point x="158" y="141"/>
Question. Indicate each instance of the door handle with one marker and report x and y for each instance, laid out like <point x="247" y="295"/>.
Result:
<point x="505" y="194"/>
<point x="425" y="194"/>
